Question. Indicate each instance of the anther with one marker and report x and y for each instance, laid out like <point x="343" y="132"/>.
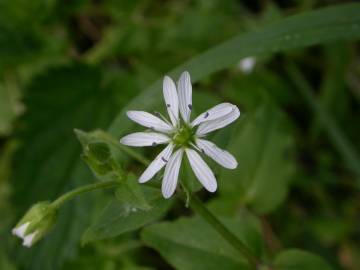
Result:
<point x="190" y="107"/>
<point x="168" y="105"/>
<point x="163" y="159"/>
<point x="157" y="114"/>
<point x="154" y="144"/>
<point x="206" y="115"/>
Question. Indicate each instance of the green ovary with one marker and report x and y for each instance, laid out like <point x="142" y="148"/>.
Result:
<point x="184" y="137"/>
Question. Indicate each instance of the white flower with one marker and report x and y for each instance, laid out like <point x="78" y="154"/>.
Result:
<point x="21" y="233"/>
<point x="182" y="136"/>
<point x="36" y="223"/>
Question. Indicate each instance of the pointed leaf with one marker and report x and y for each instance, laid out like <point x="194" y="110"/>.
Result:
<point x="295" y="259"/>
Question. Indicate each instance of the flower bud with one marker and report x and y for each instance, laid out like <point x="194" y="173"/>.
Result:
<point x="36" y="223"/>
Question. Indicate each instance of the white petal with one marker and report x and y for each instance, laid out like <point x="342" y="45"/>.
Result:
<point x="221" y="122"/>
<point x="28" y="240"/>
<point x="171" y="99"/>
<point x="171" y="174"/>
<point x="201" y="170"/>
<point x="20" y="231"/>
<point x="148" y="120"/>
<point x="157" y="164"/>
<point x="214" y="113"/>
<point x="224" y="158"/>
<point x="144" y="139"/>
<point x="185" y="96"/>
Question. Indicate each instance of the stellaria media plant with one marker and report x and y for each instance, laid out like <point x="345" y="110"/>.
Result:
<point x="181" y="135"/>
<point x="264" y="140"/>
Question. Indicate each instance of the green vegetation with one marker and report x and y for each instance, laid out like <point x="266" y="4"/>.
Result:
<point x="69" y="71"/>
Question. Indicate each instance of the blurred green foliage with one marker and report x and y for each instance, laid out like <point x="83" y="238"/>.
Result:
<point x="81" y="64"/>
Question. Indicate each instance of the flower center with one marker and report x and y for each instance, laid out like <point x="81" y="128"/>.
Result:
<point x="184" y="136"/>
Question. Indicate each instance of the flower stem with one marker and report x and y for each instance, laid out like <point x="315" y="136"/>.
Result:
<point x="231" y="238"/>
<point x="87" y="188"/>
<point x="195" y="204"/>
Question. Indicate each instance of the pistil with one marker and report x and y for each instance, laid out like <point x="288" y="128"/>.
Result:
<point x="184" y="136"/>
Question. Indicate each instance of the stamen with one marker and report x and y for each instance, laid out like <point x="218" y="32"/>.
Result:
<point x="170" y="111"/>
<point x="190" y="107"/>
<point x="163" y="159"/>
<point x="206" y="115"/>
<point x="196" y="147"/>
<point x="162" y="117"/>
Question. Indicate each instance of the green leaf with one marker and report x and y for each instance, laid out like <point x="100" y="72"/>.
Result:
<point x="336" y="135"/>
<point x="261" y="146"/>
<point x="330" y="230"/>
<point x="9" y="106"/>
<point x="5" y="264"/>
<point x="20" y="38"/>
<point x="47" y="163"/>
<point x="121" y="217"/>
<point x="131" y="192"/>
<point x="190" y="243"/>
<point x="115" y="254"/>
<point x="250" y="90"/>
<point x="103" y="154"/>
<point x="100" y="152"/>
<point x="17" y="44"/>
<point x="321" y="26"/>
<point x="19" y="11"/>
<point x="6" y="209"/>
<point x="295" y="259"/>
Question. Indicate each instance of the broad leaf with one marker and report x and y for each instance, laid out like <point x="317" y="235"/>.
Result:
<point x="47" y="164"/>
<point x="191" y="243"/>
<point x="123" y="216"/>
<point x="294" y="259"/>
<point x="131" y="192"/>
<point x="262" y="146"/>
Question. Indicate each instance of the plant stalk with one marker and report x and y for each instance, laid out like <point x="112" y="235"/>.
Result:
<point x="230" y="237"/>
<point x="87" y="188"/>
<point x="195" y="204"/>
